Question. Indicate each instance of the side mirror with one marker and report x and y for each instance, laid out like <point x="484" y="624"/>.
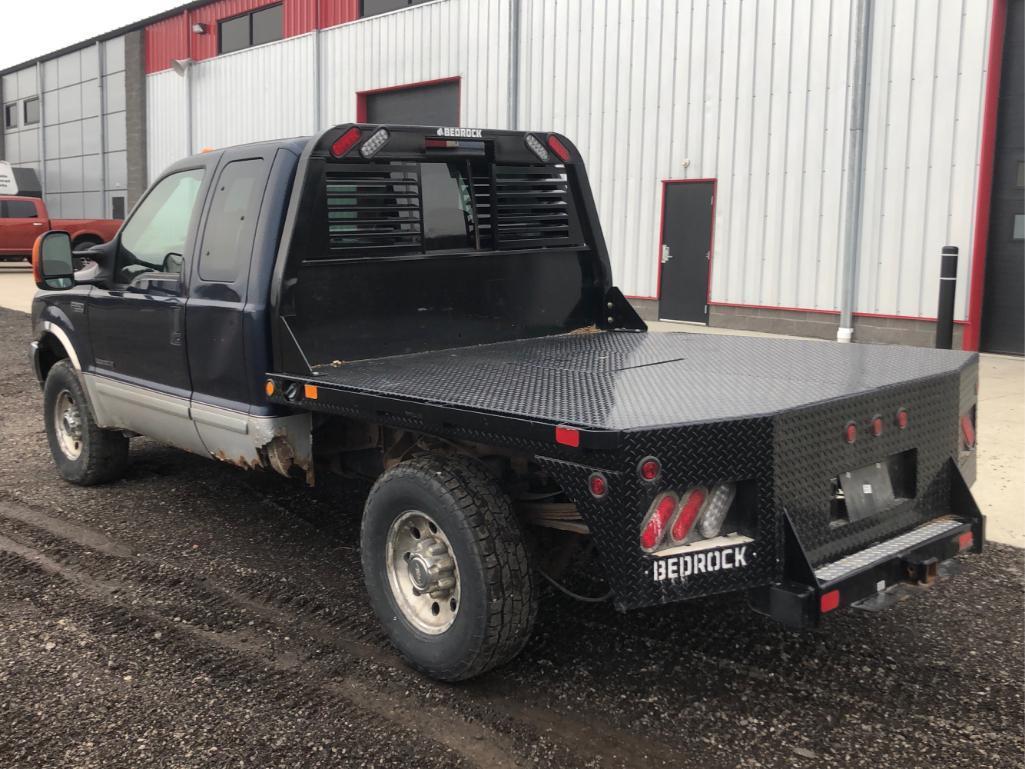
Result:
<point x="52" y="264"/>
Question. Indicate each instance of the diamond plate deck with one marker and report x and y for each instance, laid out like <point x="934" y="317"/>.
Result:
<point x="629" y="381"/>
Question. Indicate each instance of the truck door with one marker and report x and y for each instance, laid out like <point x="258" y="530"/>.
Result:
<point x="21" y="224"/>
<point x="137" y="322"/>
<point x="216" y="313"/>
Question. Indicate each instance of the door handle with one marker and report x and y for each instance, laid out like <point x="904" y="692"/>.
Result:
<point x="666" y="256"/>
<point x="37" y="224"/>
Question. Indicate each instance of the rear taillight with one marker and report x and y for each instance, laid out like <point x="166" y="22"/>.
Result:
<point x="598" y="485"/>
<point x="698" y="513"/>
<point x="657" y="520"/>
<point x="345" y="142"/>
<point x="688" y="514"/>
<point x="558" y="147"/>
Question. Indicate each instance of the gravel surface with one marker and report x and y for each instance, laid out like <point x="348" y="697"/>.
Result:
<point x="198" y="615"/>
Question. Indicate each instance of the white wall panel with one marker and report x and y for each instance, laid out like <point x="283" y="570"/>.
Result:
<point x="253" y="95"/>
<point x="165" y="121"/>
<point x="464" y="38"/>
<point x="752" y="93"/>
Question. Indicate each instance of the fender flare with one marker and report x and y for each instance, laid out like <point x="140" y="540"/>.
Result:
<point x="51" y="328"/>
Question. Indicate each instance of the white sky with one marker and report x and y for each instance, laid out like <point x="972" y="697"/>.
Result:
<point x="30" y="28"/>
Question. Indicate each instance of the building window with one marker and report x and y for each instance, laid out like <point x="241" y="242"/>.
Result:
<point x="32" y="111"/>
<point x="375" y="7"/>
<point x="11" y="115"/>
<point x="1019" y="227"/>
<point x="117" y="207"/>
<point x="263" y="25"/>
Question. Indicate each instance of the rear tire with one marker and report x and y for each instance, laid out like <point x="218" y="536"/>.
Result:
<point x="85" y="454"/>
<point x="442" y="523"/>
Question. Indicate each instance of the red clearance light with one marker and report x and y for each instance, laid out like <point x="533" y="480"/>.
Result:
<point x="688" y="514"/>
<point x="877" y="427"/>
<point x="558" y="148"/>
<point x="649" y="469"/>
<point x="965" y="541"/>
<point x="655" y="525"/>
<point x="968" y="430"/>
<point x="567" y="436"/>
<point x="829" y="601"/>
<point x="902" y="418"/>
<point x="598" y="485"/>
<point x="851" y="432"/>
<point x="345" y="142"/>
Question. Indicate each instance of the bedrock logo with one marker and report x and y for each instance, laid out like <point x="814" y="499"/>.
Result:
<point x="460" y="133"/>
<point x="678" y="566"/>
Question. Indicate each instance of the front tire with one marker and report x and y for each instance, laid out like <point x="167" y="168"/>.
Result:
<point x="446" y="567"/>
<point x="85" y="454"/>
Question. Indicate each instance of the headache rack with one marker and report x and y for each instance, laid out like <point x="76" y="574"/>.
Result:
<point x="379" y="208"/>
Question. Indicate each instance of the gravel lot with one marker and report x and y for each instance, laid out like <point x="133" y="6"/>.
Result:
<point x="198" y="615"/>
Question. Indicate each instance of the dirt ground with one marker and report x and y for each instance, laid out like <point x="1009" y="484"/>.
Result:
<point x="198" y="615"/>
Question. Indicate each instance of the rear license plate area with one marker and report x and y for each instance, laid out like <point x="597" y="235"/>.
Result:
<point x="873" y="489"/>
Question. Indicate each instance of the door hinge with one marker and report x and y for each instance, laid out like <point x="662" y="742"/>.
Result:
<point x="666" y="256"/>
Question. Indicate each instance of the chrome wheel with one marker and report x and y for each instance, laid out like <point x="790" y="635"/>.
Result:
<point x="422" y="572"/>
<point x="67" y="423"/>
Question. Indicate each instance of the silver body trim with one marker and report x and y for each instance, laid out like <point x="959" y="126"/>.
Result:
<point x="230" y="436"/>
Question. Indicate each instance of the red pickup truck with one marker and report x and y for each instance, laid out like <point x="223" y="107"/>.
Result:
<point x="23" y="219"/>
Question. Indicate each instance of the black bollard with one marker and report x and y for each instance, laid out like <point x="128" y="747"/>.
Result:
<point x="948" y="287"/>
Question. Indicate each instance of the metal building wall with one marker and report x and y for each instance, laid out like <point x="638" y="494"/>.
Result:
<point x="465" y="38"/>
<point x="81" y="155"/>
<point x="752" y="93"/>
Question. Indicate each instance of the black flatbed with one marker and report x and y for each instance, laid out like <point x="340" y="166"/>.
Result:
<point x="623" y="380"/>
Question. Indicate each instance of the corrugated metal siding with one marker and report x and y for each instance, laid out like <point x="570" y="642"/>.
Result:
<point x="173" y="38"/>
<point x="922" y="142"/>
<point x="468" y="38"/>
<point x="165" y="121"/>
<point x="752" y="93"/>
<point x="261" y="93"/>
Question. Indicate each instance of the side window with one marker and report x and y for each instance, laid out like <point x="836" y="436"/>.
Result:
<point x="231" y="223"/>
<point x="20" y="209"/>
<point x="447" y="210"/>
<point x="159" y="226"/>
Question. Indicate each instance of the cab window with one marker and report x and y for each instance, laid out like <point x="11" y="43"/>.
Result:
<point x="154" y="238"/>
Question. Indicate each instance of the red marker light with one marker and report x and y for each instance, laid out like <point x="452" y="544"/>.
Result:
<point x="877" y="427"/>
<point x="658" y="518"/>
<point x="558" y="148"/>
<point x="345" y="142"/>
<point x="598" y="485"/>
<point x="649" y="469"/>
<point x="829" y="601"/>
<point x="688" y="514"/>
<point x="968" y="430"/>
<point x="902" y="418"/>
<point x="965" y="541"/>
<point x="567" y="436"/>
<point x="851" y="432"/>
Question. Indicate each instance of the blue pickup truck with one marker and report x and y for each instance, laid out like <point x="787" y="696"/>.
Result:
<point x="434" y="309"/>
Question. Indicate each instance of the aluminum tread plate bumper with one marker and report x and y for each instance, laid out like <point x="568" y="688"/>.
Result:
<point x="886" y="550"/>
<point x="621" y="380"/>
